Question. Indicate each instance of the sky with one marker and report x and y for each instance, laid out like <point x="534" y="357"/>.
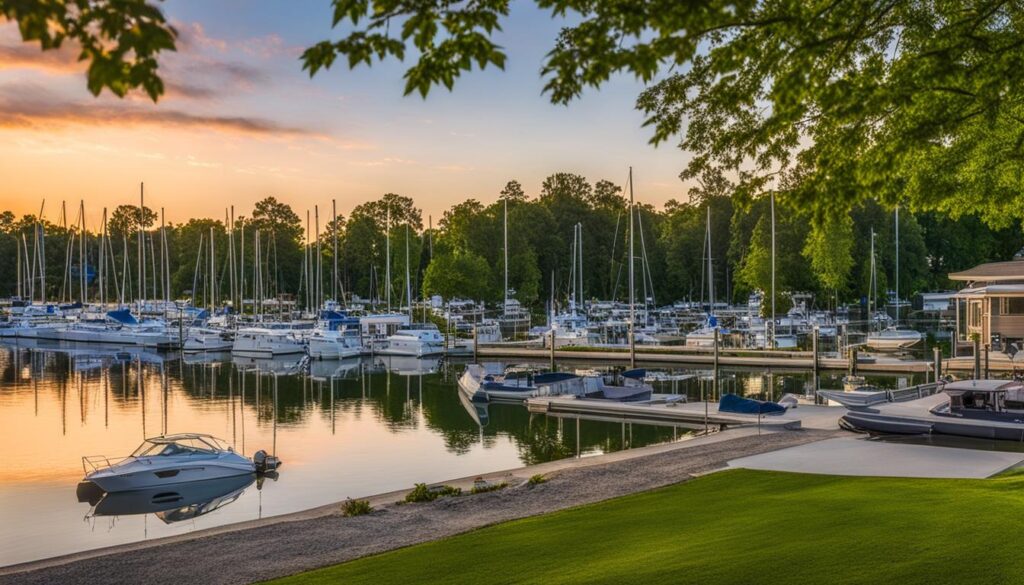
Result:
<point x="241" y="121"/>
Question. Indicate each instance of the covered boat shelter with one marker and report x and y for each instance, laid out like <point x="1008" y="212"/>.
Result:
<point x="990" y="307"/>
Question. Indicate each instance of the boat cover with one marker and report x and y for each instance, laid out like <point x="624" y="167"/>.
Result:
<point x="636" y="374"/>
<point x="123" y="316"/>
<point x="740" y="405"/>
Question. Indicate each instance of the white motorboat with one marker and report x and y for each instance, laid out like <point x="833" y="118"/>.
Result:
<point x="418" y="339"/>
<point x="207" y="339"/>
<point x="261" y="342"/>
<point x="334" y="337"/>
<point x="172" y="459"/>
<point x="893" y="338"/>
<point x="122" y="328"/>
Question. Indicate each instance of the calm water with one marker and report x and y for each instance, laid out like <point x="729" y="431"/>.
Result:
<point x="344" y="429"/>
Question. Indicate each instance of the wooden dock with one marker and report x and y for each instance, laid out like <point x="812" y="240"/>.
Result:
<point x="689" y="356"/>
<point x="690" y="415"/>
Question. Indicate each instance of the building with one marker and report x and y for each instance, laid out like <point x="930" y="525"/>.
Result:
<point x="990" y="307"/>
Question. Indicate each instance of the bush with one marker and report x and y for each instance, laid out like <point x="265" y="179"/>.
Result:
<point x="490" y="487"/>
<point x="536" y="479"/>
<point x="352" y="507"/>
<point x="421" y="493"/>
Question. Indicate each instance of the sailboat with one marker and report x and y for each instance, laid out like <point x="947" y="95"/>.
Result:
<point x="705" y="336"/>
<point x="514" y="318"/>
<point x="892" y="337"/>
<point x="770" y="337"/>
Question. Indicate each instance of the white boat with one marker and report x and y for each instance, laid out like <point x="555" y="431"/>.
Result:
<point x="207" y="339"/>
<point x="418" y="339"/>
<point x="261" y="342"/>
<point x="334" y="337"/>
<point x="172" y="459"/>
<point x="122" y="328"/>
<point x="893" y="338"/>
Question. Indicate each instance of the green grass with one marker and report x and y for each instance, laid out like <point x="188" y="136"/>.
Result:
<point x="737" y="527"/>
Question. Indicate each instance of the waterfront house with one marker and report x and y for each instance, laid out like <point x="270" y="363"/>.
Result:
<point x="991" y="304"/>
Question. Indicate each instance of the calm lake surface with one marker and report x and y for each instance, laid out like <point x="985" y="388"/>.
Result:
<point x="343" y="429"/>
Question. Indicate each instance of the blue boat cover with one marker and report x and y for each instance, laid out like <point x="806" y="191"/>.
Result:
<point x="636" y="374"/>
<point x="740" y="405"/>
<point x="552" y="377"/>
<point x="123" y="316"/>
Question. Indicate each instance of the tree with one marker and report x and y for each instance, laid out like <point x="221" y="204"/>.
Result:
<point x="126" y="219"/>
<point x="513" y="191"/>
<point x="828" y="249"/>
<point x="458" y="275"/>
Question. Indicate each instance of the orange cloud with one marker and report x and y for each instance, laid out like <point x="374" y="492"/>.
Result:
<point x="29" y="106"/>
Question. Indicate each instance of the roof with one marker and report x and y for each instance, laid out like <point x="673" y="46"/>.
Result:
<point x="1002" y="290"/>
<point x="981" y="386"/>
<point x="992" y="272"/>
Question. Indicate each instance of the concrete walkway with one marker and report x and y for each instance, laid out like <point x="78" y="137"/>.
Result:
<point x="857" y="456"/>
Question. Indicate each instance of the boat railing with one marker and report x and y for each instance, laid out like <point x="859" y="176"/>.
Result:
<point x="915" y="392"/>
<point x="99" y="462"/>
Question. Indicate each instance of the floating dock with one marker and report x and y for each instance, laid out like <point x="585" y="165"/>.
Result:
<point x="692" y="415"/>
<point x="690" y="356"/>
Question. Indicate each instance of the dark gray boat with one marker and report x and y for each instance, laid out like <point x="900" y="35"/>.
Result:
<point x="988" y="409"/>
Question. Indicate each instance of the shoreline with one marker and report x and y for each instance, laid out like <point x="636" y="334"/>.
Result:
<point x="320" y="536"/>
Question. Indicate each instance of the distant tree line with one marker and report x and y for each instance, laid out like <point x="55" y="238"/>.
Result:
<point x="462" y="256"/>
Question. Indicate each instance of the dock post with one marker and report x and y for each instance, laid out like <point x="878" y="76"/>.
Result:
<point x="987" y="347"/>
<point x="853" y="361"/>
<point x="814" y="369"/>
<point x="937" y="366"/>
<point x="632" y="347"/>
<point x="474" y="344"/>
<point x="714" y="387"/>
<point x="552" y="351"/>
<point x="977" y="359"/>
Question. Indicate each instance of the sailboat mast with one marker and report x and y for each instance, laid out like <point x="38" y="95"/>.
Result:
<point x="897" y="265"/>
<point x="505" y="252"/>
<point x="142" y="244"/>
<point x="387" y="258"/>
<point x="632" y="308"/>
<point x="772" y="329"/>
<point x="334" y="250"/>
<point x="711" y="272"/>
<point x="408" y="284"/>
<point x="319" y="261"/>
<point x="103" y="260"/>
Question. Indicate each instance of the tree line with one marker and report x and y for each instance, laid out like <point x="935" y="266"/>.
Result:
<point x="463" y="255"/>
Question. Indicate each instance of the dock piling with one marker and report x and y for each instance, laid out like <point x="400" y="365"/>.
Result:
<point x="475" y="343"/>
<point x="987" y="347"/>
<point x="714" y="386"/>
<point x="552" y="352"/>
<point x="977" y="358"/>
<point x="937" y="366"/>
<point x="814" y="361"/>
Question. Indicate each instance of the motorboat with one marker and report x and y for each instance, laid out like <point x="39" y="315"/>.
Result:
<point x="631" y="387"/>
<point x="334" y="337"/>
<point x="989" y="409"/>
<point x="517" y="383"/>
<point x="122" y="328"/>
<point x="262" y="342"/>
<point x="207" y="339"/>
<point x="169" y="460"/>
<point x="705" y="336"/>
<point x="893" y="338"/>
<point x="417" y="339"/>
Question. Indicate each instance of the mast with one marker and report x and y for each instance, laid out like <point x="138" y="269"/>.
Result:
<point x="505" y="252"/>
<point x="632" y="308"/>
<point x="711" y="272"/>
<point x="897" y="265"/>
<point x="142" y="244"/>
<point x="583" y="308"/>
<point x="213" y="274"/>
<point x="164" y="282"/>
<point x="81" y="251"/>
<point x="771" y="341"/>
<point x="334" y="250"/>
<point x="387" y="258"/>
<point x="872" y="282"/>
<point x="319" y="262"/>
<point x="308" y="266"/>
<point x="40" y="249"/>
<point x="195" y="273"/>
<point x="241" y="269"/>
<point x="103" y="259"/>
<point x="408" y="283"/>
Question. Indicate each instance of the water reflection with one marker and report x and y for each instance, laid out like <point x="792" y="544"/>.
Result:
<point x="170" y="504"/>
<point x="346" y="428"/>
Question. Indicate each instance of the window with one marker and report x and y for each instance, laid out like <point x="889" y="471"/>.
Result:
<point x="1013" y="306"/>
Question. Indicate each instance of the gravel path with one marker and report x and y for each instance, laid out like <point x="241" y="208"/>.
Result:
<point x="287" y="547"/>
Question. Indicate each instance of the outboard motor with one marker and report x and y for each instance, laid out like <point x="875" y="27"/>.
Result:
<point x="264" y="462"/>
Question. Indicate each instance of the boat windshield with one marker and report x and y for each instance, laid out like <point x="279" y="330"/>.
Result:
<point x="179" y="446"/>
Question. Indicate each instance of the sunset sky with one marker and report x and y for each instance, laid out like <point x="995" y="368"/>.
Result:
<point x="241" y="121"/>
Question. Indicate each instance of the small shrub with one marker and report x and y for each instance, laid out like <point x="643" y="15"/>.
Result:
<point x="491" y="487"/>
<point x="421" y="493"/>
<point x="352" y="507"/>
<point x="536" y="479"/>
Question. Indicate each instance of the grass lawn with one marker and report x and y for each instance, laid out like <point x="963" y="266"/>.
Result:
<point x="737" y="526"/>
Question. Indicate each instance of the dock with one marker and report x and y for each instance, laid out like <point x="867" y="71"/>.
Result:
<point x="691" y="356"/>
<point x="690" y="415"/>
